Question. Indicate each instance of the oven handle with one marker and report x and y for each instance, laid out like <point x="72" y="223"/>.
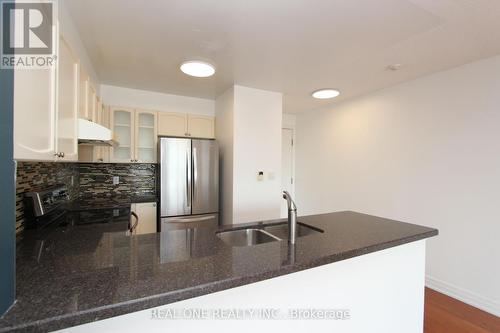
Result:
<point x="132" y="228"/>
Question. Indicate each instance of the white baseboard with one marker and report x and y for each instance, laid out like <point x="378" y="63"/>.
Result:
<point x="463" y="295"/>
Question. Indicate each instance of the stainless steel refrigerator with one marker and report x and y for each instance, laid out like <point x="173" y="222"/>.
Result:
<point x="189" y="183"/>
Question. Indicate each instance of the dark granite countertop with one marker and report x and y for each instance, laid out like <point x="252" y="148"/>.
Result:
<point x="91" y="272"/>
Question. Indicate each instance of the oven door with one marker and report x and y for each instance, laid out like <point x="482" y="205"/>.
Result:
<point x="189" y="222"/>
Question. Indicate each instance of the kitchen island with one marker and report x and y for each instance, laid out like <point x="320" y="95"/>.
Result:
<point x="363" y="265"/>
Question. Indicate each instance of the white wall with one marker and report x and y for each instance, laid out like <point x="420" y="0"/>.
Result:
<point x="426" y="152"/>
<point x="289" y="120"/>
<point x="390" y="301"/>
<point x="120" y="96"/>
<point x="257" y="146"/>
<point x="72" y="37"/>
<point x="224" y="106"/>
<point x="252" y="130"/>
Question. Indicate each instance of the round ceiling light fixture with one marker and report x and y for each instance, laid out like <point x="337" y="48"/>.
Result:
<point x="197" y="68"/>
<point x="325" y="93"/>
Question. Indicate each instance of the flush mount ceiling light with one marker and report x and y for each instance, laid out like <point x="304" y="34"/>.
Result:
<point x="325" y="93"/>
<point x="197" y="68"/>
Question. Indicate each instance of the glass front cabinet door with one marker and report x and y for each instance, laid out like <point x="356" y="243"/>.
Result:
<point x="145" y="136"/>
<point x="122" y="120"/>
<point x="136" y="134"/>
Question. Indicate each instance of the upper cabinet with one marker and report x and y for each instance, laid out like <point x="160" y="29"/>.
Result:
<point x="146" y="134"/>
<point x="34" y="114"/>
<point x="67" y="103"/>
<point x="45" y="110"/>
<point x="84" y="83"/>
<point x="101" y="153"/>
<point x="87" y="107"/>
<point x="136" y="133"/>
<point x="173" y="124"/>
<point x="185" y="125"/>
<point x="201" y="126"/>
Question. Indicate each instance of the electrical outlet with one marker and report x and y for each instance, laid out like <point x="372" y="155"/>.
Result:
<point x="116" y="180"/>
<point x="72" y="180"/>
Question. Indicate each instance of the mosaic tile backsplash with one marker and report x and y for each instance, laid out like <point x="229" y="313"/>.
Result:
<point x="96" y="180"/>
<point x="84" y="180"/>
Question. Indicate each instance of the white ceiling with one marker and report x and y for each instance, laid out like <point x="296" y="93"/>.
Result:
<point x="289" y="46"/>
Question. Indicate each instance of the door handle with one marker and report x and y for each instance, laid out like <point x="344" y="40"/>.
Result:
<point x="188" y="181"/>
<point x="188" y="220"/>
<point x="195" y="172"/>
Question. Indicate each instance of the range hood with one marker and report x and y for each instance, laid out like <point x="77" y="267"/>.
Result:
<point x="90" y="133"/>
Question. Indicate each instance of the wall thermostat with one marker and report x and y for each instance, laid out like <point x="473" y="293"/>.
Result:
<point x="260" y="176"/>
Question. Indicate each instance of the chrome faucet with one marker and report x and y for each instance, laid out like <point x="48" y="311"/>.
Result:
<point x="292" y="217"/>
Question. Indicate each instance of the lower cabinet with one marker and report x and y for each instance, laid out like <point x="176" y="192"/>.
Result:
<point x="143" y="217"/>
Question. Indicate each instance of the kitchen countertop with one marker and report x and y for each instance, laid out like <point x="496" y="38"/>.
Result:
<point x="84" y="273"/>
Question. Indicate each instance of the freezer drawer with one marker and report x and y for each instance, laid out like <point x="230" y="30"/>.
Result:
<point x="189" y="222"/>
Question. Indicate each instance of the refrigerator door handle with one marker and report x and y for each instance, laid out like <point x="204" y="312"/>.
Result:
<point x="195" y="171"/>
<point x="188" y="180"/>
<point x="189" y="220"/>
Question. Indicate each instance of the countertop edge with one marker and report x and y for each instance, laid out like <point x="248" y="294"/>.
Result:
<point x="109" y="311"/>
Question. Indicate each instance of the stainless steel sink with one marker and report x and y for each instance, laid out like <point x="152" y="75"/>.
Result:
<point x="247" y="237"/>
<point x="281" y="230"/>
<point x="272" y="233"/>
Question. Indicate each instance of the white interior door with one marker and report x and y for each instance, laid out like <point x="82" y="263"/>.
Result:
<point x="287" y="171"/>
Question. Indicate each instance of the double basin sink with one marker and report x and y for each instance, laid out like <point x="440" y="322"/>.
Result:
<point x="264" y="234"/>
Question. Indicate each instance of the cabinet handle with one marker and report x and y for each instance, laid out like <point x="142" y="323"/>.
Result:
<point x="134" y="226"/>
<point x="62" y="154"/>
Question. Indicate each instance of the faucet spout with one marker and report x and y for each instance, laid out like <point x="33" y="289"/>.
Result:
<point x="292" y="217"/>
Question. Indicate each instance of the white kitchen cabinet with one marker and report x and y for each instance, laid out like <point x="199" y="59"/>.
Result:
<point x="34" y="114"/>
<point x="185" y="125"/>
<point x="92" y="104"/>
<point x="143" y="216"/>
<point x="83" y="87"/>
<point x="172" y="124"/>
<point x="45" y="110"/>
<point x="101" y="153"/>
<point x="122" y="120"/>
<point x="96" y="154"/>
<point x="67" y="104"/>
<point x="136" y="133"/>
<point x="146" y="136"/>
<point x="201" y="126"/>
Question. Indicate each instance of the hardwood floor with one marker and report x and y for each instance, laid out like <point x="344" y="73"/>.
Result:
<point x="444" y="314"/>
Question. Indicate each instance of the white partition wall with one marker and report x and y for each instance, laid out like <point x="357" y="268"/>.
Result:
<point x="377" y="292"/>
<point x="248" y="128"/>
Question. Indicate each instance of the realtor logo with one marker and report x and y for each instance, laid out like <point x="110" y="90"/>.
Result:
<point x="27" y="34"/>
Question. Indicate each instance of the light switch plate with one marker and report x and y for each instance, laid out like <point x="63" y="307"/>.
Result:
<point x="116" y="180"/>
<point x="271" y="175"/>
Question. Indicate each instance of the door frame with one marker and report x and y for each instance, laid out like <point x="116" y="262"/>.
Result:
<point x="294" y="140"/>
